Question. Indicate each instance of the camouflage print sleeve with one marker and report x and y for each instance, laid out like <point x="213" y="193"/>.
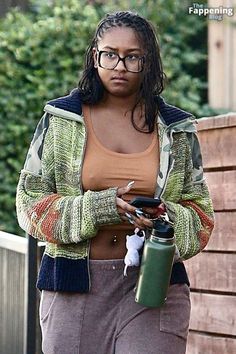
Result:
<point x="192" y="215"/>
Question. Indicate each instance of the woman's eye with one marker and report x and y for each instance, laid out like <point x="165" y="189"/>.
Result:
<point x="110" y="54"/>
<point x="132" y="57"/>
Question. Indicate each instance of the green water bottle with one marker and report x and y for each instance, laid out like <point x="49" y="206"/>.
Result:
<point x="156" y="265"/>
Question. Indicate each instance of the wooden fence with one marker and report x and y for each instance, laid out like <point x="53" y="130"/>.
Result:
<point x="213" y="272"/>
<point x="222" y="58"/>
<point x="19" y="300"/>
<point x="12" y="293"/>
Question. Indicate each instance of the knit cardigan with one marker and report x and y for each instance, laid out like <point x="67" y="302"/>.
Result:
<point x="52" y="206"/>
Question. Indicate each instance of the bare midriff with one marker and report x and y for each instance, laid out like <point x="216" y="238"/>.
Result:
<point x="109" y="245"/>
<point x="110" y="161"/>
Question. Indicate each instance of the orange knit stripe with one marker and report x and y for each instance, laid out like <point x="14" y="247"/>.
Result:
<point x="207" y="223"/>
<point x="47" y="225"/>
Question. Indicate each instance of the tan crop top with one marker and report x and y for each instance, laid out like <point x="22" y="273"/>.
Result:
<point x="104" y="168"/>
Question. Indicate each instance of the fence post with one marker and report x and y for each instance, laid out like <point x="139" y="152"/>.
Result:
<point x="31" y="296"/>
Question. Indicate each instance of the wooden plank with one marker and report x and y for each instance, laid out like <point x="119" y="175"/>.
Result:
<point x="233" y="57"/>
<point x="216" y="122"/>
<point x="216" y="147"/>
<point x="222" y="189"/>
<point x="213" y="313"/>
<point x="203" y="343"/>
<point x="221" y="56"/>
<point x="212" y="271"/>
<point x="12" y="304"/>
<point x="13" y="242"/>
<point x="223" y="236"/>
<point x="217" y="63"/>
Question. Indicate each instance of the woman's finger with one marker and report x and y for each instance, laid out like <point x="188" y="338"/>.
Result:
<point x="126" y="189"/>
<point x="124" y="206"/>
<point x="140" y="222"/>
<point x="156" y="211"/>
<point x="144" y="222"/>
<point x="124" y="218"/>
<point x="127" y="213"/>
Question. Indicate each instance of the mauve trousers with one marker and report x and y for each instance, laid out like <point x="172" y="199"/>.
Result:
<point x="107" y="320"/>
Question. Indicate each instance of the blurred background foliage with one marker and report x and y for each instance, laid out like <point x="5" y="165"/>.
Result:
<point x="41" y="57"/>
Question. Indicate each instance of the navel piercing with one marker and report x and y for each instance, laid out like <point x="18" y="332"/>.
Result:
<point x="114" y="239"/>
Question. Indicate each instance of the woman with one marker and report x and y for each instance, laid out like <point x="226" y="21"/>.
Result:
<point x="74" y="193"/>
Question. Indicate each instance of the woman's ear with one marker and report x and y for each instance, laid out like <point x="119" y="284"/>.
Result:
<point x="95" y="56"/>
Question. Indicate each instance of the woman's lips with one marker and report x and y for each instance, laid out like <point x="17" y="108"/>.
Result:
<point x="119" y="79"/>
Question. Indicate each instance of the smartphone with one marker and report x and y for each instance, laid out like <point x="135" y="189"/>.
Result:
<point x="141" y="202"/>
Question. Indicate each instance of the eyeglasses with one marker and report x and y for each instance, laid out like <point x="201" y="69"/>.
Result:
<point x="109" y="60"/>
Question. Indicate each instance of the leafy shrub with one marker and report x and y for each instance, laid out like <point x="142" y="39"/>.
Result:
<point x="40" y="54"/>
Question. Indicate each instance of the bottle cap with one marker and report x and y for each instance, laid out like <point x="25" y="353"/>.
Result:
<point x="162" y="229"/>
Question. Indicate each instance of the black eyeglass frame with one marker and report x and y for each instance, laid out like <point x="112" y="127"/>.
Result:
<point x="142" y="58"/>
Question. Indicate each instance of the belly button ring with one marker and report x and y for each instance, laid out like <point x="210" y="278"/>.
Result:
<point x="114" y="239"/>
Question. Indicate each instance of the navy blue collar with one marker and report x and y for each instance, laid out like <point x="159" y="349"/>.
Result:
<point x="72" y="102"/>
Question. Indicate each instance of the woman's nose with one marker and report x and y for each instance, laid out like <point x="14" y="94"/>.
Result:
<point x="120" y="66"/>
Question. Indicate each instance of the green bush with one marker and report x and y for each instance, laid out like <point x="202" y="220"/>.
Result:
<point x="41" y="57"/>
<point x="40" y="54"/>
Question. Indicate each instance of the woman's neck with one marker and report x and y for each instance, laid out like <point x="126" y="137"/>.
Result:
<point x="120" y="103"/>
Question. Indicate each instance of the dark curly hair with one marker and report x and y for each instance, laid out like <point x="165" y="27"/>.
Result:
<point x="90" y="85"/>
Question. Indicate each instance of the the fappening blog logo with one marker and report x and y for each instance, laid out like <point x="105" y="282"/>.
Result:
<point x="213" y="13"/>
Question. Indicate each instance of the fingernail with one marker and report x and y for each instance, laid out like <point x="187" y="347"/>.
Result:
<point x="138" y="211"/>
<point x="130" y="184"/>
<point x="131" y="221"/>
<point x="129" y="216"/>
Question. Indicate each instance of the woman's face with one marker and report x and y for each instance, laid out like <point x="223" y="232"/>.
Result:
<point x="122" y="41"/>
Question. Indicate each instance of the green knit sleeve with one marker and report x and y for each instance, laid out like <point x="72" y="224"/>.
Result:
<point x="49" y="216"/>
<point x="192" y="210"/>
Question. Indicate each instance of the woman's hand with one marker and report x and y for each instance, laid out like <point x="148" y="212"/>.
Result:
<point x="123" y="207"/>
<point x="155" y="212"/>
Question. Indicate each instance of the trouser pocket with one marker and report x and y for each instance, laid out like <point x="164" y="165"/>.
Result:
<point x="46" y="304"/>
<point x="61" y="318"/>
<point x="175" y="314"/>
